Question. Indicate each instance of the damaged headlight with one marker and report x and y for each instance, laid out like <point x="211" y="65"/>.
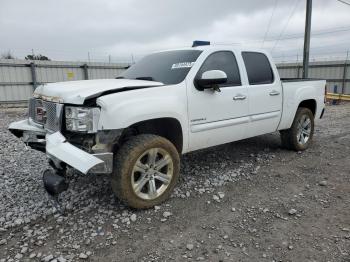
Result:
<point x="82" y="119"/>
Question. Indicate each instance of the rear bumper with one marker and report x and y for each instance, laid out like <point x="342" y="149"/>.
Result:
<point x="59" y="150"/>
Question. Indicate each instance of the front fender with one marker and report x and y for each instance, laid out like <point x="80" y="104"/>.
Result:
<point x="121" y="110"/>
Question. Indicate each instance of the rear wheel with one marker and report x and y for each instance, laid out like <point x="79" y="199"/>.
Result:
<point x="300" y="135"/>
<point x="146" y="171"/>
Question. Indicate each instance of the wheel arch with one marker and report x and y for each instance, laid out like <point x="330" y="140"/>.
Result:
<point x="310" y="104"/>
<point x="167" y="127"/>
<point x="290" y="109"/>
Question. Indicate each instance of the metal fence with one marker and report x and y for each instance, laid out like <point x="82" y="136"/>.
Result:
<point x="336" y="73"/>
<point x="18" y="78"/>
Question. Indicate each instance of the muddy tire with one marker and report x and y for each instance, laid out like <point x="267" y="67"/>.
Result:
<point x="300" y="135"/>
<point x="146" y="169"/>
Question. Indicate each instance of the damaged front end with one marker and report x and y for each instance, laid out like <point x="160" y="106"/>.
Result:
<point x="70" y="137"/>
<point x="59" y="150"/>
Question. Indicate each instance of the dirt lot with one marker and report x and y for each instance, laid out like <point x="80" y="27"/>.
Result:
<point x="244" y="201"/>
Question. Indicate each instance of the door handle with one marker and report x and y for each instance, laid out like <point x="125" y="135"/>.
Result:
<point x="274" y="93"/>
<point x="239" y="97"/>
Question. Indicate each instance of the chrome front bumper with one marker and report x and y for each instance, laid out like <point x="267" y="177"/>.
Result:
<point x="58" y="149"/>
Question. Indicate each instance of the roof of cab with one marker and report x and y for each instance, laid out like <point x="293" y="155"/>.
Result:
<point x="237" y="48"/>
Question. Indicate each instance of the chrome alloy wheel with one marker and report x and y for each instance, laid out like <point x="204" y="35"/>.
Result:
<point x="152" y="173"/>
<point x="304" y="129"/>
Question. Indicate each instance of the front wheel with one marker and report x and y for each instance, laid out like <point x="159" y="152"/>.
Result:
<point x="299" y="136"/>
<point x="146" y="171"/>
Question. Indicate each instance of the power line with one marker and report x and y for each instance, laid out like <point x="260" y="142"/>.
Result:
<point x="269" y="24"/>
<point x="285" y="27"/>
<point x="326" y="54"/>
<point x="315" y="56"/>
<point x="314" y="52"/>
<point x="300" y="35"/>
<point x="341" y="1"/>
<point x="320" y="32"/>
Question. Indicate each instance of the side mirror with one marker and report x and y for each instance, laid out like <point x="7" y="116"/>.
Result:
<point x="210" y="78"/>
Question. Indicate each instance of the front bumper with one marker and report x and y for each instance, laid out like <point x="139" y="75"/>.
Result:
<point x="59" y="150"/>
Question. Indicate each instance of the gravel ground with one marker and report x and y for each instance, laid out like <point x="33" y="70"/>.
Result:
<point x="243" y="201"/>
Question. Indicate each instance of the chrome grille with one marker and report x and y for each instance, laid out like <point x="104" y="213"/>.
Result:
<point x="33" y="105"/>
<point x="31" y="108"/>
<point x="46" y="113"/>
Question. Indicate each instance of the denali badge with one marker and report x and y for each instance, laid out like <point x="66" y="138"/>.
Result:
<point x="198" y="119"/>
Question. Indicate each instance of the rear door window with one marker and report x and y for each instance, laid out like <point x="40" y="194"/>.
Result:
<point x="258" y="68"/>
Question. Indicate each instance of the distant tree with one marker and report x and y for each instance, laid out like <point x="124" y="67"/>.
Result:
<point x="7" y="55"/>
<point x="37" y="57"/>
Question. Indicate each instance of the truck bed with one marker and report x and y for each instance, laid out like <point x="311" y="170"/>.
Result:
<point x="296" y="90"/>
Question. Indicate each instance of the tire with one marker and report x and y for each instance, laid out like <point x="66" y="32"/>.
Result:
<point x="138" y="177"/>
<point x="296" y="139"/>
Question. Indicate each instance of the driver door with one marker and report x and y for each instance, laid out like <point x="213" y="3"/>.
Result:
<point x="218" y="117"/>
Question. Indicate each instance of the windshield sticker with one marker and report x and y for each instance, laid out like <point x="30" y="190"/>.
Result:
<point x="182" y="65"/>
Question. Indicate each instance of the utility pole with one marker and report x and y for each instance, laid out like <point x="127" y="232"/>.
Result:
<point x="307" y="39"/>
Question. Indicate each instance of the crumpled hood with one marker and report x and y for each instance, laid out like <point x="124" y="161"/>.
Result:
<point x="76" y="92"/>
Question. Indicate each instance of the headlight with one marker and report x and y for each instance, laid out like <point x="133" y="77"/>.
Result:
<point x="82" y="119"/>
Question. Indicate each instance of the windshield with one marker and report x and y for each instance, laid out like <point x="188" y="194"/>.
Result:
<point x="170" y="67"/>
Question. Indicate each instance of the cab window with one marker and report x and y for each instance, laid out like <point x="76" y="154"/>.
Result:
<point x="258" y="68"/>
<point x="224" y="61"/>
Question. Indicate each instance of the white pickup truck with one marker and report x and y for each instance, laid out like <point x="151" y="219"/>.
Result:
<point x="135" y="127"/>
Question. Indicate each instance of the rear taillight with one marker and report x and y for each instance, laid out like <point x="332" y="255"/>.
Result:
<point x="325" y="93"/>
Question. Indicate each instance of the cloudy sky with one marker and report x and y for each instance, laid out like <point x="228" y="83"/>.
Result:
<point x="122" y="29"/>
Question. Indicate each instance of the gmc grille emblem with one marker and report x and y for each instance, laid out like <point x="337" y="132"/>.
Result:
<point x="40" y="114"/>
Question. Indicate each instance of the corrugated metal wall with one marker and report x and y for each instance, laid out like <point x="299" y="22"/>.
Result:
<point x="18" y="78"/>
<point x="15" y="81"/>
<point x="337" y="73"/>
